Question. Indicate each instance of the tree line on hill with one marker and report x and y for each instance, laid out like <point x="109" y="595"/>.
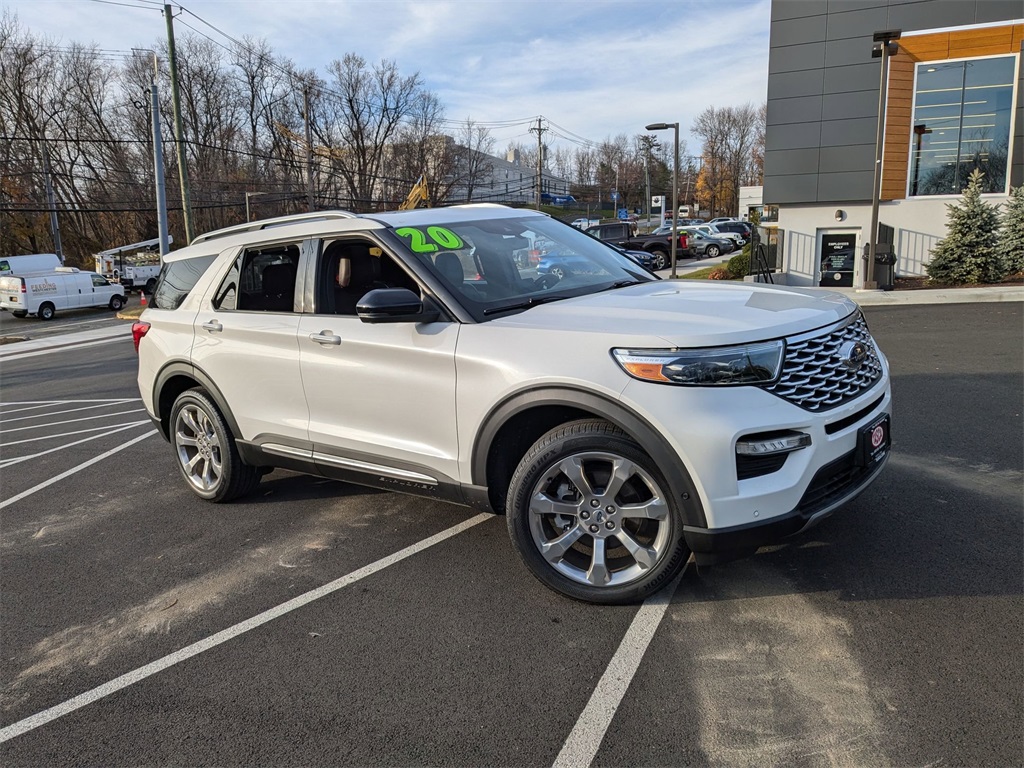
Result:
<point x="83" y="114"/>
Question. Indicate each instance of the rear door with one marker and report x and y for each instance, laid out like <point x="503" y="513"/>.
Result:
<point x="245" y="342"/>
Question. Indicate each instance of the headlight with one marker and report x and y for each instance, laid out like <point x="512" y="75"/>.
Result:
<point x="748" y="364"/>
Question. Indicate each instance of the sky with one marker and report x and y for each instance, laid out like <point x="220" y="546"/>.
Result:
<point x="593" y="69"/>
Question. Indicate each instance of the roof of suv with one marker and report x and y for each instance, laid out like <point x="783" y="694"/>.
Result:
<point x="321" y="223"/>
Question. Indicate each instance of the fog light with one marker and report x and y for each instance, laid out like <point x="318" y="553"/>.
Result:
<point x="767" y="444"/>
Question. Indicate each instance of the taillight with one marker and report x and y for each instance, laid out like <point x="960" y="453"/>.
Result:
<point x="23" y="289"/>
<point x="139" y="329"/>
<point x="682" y="241"/>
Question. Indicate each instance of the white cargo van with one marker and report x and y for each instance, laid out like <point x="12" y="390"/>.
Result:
<point x="44" y="293"/>
<point x="28" y="262"/>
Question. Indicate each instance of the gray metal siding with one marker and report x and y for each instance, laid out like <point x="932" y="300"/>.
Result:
<point x="834" y="76"/>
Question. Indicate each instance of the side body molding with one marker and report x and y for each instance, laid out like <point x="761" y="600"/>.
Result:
<point x="653" y="443"/>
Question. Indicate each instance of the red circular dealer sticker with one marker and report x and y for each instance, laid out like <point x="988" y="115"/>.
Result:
<point x="877" y="436"/>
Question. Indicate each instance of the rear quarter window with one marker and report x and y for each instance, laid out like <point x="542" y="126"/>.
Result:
<point x="177" y="279"/>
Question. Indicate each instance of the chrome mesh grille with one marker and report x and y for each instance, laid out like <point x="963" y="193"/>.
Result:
<point x="814" y="376"/>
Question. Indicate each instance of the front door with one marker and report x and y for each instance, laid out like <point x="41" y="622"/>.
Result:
<point x="381" y="396"/>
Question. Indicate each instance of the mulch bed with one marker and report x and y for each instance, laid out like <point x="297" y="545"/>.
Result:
<point x="919" y="283"/>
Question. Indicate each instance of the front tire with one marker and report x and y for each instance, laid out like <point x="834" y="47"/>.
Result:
<point x="592" y="517"/>
<point x="207" y="455"/>
<point x="116" y="302"/>
<point x="660" y="259"/>
<point x="713" y="251"/>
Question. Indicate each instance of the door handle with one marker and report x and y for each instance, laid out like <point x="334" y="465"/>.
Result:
<point x="213" y="325"/>
<point x="325" y="337"/>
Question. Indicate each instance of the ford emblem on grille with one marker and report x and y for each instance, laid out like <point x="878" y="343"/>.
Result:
<point x="853" y="354"/>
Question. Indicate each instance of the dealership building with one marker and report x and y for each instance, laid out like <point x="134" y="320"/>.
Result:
<point x="953" y="103"/>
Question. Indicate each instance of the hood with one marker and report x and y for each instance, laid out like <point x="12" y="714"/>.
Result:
<point x="689" y="313"/>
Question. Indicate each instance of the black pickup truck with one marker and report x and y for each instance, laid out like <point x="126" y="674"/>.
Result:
<point x="659" y="246"/>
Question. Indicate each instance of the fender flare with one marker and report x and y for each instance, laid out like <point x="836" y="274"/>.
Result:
<point x="650" y="439"/>
<point x="182" y="368"/>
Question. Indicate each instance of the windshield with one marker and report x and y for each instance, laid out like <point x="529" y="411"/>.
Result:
<point x="496" y="266"/>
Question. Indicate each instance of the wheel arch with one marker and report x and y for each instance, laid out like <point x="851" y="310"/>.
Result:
<point x="520" y="420"/>
<point x="176" y="377"/>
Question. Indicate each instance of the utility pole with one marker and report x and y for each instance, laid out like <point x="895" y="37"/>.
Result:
<point x="309" y="147"/>
<point x="186" y="203"/>
<point x="158" y="164"/>
<point x="51" y="202"/>
<point x="540" y="158"/>
<point x="158" y="168"/>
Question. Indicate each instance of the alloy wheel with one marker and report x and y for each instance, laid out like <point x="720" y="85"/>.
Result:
<point x="198" y="448"/>
<point x="599" y="519"/>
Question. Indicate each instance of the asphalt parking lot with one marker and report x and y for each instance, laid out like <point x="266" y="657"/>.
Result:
<point x="318" y="623"/>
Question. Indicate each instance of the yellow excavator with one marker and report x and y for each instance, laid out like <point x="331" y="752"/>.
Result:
<point x="420" y="193"/>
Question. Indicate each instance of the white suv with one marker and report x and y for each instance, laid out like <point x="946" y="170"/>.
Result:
<point x="620" y="421"/>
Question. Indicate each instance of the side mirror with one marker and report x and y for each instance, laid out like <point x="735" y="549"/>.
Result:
<point x="395" y="305"/>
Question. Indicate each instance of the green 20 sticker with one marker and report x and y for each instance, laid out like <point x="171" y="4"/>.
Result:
<point x="441" y="236"/>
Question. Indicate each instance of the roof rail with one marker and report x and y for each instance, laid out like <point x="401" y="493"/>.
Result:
<point x="280" y="221"/>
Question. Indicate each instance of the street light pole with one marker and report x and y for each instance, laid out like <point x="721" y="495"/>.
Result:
<point x="675" y="186"/>
<point x="883" y="49"/>
<point x="247" y="196"/>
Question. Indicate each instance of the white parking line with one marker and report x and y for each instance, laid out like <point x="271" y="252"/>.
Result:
<point x="581" y="746"/>
<point x="50" y="351"/>
<point x="69" y="410"/>
<point x="41" y="403"/>
<point x="11" y="462"/>
<point x="71" y="421"/>
<point x="73" y="470"/>
<point x="66" y="434"/>
<point x="135" y="676"/>
<point x="37" y="406"/>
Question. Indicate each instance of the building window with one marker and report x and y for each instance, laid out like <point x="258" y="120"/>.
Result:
<point x="962" y="113"/>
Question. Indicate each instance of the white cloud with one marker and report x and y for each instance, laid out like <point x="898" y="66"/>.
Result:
<point x="597" y="68"/>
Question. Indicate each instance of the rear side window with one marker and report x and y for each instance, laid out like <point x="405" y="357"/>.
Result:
<point x="261" y="279"/>
<point x="176" y="279"/>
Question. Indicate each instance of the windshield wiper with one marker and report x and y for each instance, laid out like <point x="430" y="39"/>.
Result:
<point x="524" y="304"/>
<point x="621" y="284"/>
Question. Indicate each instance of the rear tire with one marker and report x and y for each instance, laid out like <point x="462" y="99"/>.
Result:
<point x="46" y="311"/>
<point x="207" y="455"/>
<point x="593" y="517"/>
<point x="150" y="285"/>
<point x="19" y="313"/>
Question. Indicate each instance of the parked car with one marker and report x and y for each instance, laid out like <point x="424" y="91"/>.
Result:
<point x="45" y="293"/>
<point x="721" y="219"/>
<point x="620" y="426"/>
<point x="643" y="258"/>
<point x="741" y="228"/>
<point x="711" y="247"/>
<point x="29" y="262"/>
<point x="660" y="246"/>
<point x="583" y="223"/>
<point x="712" y="231"/>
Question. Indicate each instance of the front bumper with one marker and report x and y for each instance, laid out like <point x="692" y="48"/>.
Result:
<point x="834" y="485"/>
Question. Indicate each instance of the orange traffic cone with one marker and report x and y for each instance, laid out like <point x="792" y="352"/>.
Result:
<point x="142" y="298"/>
